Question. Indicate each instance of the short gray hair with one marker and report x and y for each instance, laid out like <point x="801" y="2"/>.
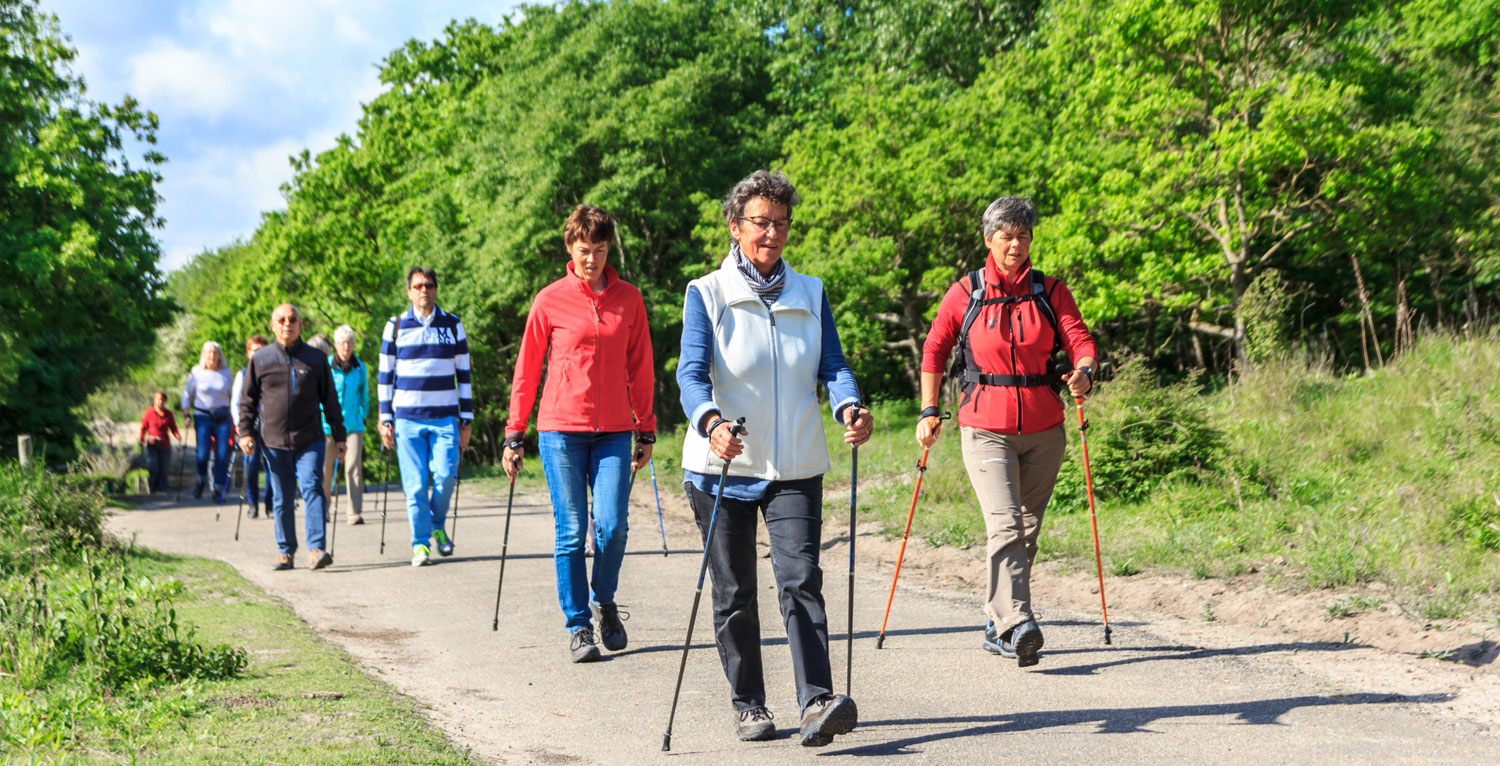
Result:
<point x="344" y="331"/>
<point x="320" y="342"/>
<point x="1010" y="214"/>
<point x="773" y="185"/>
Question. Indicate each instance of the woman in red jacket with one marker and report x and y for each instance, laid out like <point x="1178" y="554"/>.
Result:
<point x="1011" y="418"/>
<point x="598" y="394"/>
<point x="156" y="423"/>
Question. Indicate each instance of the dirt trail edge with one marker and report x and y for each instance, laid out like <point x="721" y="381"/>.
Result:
<point x="1166" y="690"/>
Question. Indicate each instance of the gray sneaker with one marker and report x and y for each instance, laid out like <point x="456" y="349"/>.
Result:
<point x="754" y="725"/>
<point x="582" y="645"/>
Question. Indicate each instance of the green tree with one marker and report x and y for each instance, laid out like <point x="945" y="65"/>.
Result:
<point x="76" y="246"/>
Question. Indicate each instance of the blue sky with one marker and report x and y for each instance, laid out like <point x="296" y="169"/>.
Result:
<point x="241" y="85"/>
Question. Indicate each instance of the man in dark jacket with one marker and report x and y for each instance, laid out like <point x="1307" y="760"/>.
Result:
<point x="285" y="383"/>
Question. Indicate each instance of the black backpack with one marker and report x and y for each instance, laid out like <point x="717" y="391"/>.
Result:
<point x="968" y="373"/>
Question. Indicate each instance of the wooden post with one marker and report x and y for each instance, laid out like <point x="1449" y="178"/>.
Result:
<point x="23" y="449"/>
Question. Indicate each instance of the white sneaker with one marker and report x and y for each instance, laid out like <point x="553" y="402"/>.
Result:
<point x="420" y="556"/>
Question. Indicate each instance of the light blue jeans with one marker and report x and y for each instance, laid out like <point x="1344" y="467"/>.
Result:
<point x="294" y="472"/>
<point x="574" y="462"/>
<point x="423" y="446"/>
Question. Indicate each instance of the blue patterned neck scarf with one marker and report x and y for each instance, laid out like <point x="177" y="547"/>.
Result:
<point x="768" y="288"/>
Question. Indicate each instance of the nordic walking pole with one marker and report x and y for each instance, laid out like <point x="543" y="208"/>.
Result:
<point x="239" y="507"/>
<point x="504" y="546"/>
<point x="385" y="491"/>
<point x="458" y="484"/>
<point x="850" y="417"/>
<point x="228" y="482"/>
<point x="657" y="492"/>
<point x="333" y="538"/>
<point x="181" y="447"/>
<point x="910" y="513"/>
<point x="1088" y="482"/>
<point x="633" y="472"/>
<point x="708" y="538"/>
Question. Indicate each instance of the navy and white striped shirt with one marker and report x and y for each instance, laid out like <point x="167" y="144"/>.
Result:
<point x="424" y="368"/>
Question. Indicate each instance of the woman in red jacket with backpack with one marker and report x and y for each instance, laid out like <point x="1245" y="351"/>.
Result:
<point x="1007" y="322"/>
<point x="590" y="328"/>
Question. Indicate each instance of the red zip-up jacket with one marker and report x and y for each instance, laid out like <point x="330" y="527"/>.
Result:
<point x="598" y="354"/>
<point x="155" y="427"/>
<point x="1008" y="339"/>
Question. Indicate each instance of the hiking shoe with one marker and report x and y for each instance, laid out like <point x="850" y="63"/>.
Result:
<point x="994" y="645"/>
<point x="754" y="725"/>
<point x="444" y="545"/>
<point x="283" y="562"/>
<point x="420" y="556"/>
<point x="611" y="627"/>
<point x="826" y="716"/>
<point x="1026" y="640"/>
<point x="251" y="513"/>
<point x="583" y="647"/>
<point x="318" y="559"/>
<point x="356" y="520"/>
<point x="198" y="491"/>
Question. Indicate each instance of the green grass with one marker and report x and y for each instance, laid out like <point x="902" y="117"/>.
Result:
<point x="263" y="716"/>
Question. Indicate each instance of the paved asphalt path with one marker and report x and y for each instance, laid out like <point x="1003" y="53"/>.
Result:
<point x="930" y="696"/>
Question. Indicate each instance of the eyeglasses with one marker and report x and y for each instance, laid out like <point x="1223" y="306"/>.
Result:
<point x="782" y="225"/>
<point x="287" y="320"/>
<point x="423" y="286"/>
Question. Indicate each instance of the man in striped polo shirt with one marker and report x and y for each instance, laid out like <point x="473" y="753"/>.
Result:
<point x="426" y="408"/>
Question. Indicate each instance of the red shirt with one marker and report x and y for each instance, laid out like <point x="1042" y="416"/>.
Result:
<point x="1008" y="339"/>
<point x="598" y="354"/>
<point x="154" y="427"/>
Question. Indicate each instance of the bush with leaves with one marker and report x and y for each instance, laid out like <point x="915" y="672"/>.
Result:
<point x="1141" y="436"/>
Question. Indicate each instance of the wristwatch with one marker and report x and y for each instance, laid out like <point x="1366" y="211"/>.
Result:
<point x="1087" y="370"/>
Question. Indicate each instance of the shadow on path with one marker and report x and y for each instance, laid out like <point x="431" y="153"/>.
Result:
<point x="1110" y="720"/>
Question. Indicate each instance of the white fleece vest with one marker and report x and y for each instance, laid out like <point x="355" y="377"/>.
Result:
<point x="765" y="370"/>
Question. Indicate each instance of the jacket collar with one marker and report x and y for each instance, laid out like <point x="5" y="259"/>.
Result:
<point x="737" y="291"/>
<point x="610" y="278"/>
<point x="994" y="277"/>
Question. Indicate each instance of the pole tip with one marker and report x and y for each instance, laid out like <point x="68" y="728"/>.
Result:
<point x="880" y="641"/>
<point x="1106" y="635"/>
<point x="666" y="742"/>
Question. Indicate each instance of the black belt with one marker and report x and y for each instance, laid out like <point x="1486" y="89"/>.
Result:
<point x="1027" y="381"/>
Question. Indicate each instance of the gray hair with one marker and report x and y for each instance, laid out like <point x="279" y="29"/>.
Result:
<point x="1010" y="214"/>
<point x="344" y="331"/>
<point x="208" y="346"/>
<point x="320" y="342"/>
<point x="773" y="185"/>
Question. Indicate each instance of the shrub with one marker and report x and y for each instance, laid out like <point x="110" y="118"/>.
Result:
<point x="1141" y="437"/>
<point x="44" y="518"/>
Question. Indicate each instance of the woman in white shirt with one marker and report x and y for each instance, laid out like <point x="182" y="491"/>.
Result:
<point x="205" y="404"/>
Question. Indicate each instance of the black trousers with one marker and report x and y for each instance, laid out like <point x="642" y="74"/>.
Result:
<point x="793" y="511"/>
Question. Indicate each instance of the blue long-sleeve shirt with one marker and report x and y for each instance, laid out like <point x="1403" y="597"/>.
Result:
<point x="694" y="369"/>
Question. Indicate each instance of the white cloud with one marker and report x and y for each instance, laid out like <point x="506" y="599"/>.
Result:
<point x="195" y="82"/>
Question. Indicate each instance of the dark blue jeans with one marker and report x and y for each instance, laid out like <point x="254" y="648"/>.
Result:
<point x="159" y="466"/>
<point x="213" y="431"/>
<point x="296" y="472"/>
<point x="794" y="521"/>
<point x="254" y="466"/>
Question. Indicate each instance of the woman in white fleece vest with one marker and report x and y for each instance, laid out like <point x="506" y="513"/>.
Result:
<point x="757" y="338"/>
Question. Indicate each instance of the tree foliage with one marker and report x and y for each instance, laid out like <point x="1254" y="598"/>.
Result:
<point x="77" y="253"/>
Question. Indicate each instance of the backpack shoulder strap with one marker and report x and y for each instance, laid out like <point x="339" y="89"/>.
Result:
<point x="976" y="301"/>
<point x="1043" y="298"/>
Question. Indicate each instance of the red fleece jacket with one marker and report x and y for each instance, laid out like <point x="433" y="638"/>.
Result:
<point x="1010" y="339"/>
<point x="598" y="354"/>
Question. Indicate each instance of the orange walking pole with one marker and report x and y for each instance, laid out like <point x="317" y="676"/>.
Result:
<point x="1088" y="482"/>
<point x="910" y="514"/>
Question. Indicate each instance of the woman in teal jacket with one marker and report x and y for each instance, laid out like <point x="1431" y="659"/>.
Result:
<point x="354" y="397"/>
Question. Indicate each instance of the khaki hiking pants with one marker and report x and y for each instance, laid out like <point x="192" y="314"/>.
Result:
<point x="1013" y="476"/>
<point x="354" y="471"/>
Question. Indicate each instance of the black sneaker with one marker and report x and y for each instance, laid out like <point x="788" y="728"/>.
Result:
<point x="583" y="647"/>
<point x="198" y="491"/>
<point x="611" y="626"/>
<point x="1026" y="640"/>
<point x="754" y="725"/>
<point x="826" y="716"/>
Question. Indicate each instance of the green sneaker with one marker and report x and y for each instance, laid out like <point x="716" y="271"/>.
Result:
<point x="444" y="545"/>
<point x="420" y="556"/>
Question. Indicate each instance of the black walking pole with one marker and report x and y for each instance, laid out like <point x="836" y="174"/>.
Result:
<point x="458" y="484"/>
<point x="333" y="538"/>
<point x="633" y="471"/>
<point x="657" y="492"/>
<point x="708" y="538"/>
<point x="228" y="481"/>
<point x="179" y="470"/>
<point x="385" y="491"/>
<point x="504" y="545"/>
<point x="852" y="416"/>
